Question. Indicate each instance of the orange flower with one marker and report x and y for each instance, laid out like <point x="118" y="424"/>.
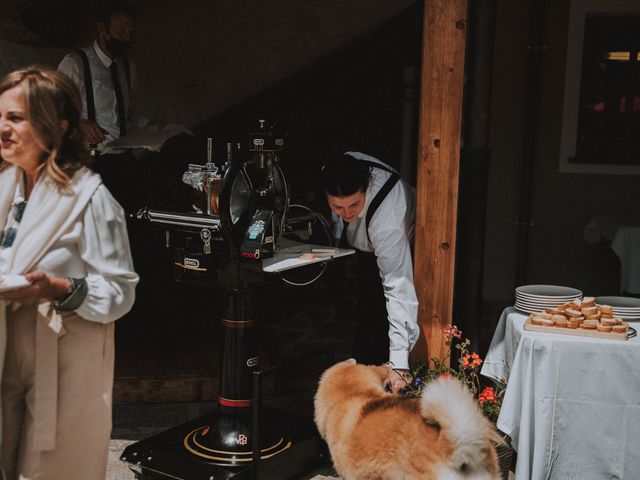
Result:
<point x="471" y="360"/>
<point x="487" y="395"/>
<point x="467" y="371"/>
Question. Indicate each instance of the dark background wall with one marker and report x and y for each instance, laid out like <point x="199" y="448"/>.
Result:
<point x="331" y="74"/>
<point x="350" y="99"/>
<point x="198" y="58"/>
<point x="562" y="204"/>
<point x="204" y="57"/>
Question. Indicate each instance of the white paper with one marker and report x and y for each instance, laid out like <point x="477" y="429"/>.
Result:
<point x="149" y="138"/>
<point x="290" y="263"/>
<point x="11" y="282"/>
<point x="288" y="256"/>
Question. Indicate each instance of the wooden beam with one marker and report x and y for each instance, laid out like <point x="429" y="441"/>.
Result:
<point x="444" y="35"/>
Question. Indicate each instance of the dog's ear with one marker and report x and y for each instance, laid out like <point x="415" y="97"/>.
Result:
<point x="350" y="361"/>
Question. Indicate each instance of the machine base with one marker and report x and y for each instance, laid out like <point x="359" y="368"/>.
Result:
<point x="164" y="455"/>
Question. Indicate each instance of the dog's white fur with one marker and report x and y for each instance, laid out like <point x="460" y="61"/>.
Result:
<point x="449" y="403"/>
<point x="374" y="435"/>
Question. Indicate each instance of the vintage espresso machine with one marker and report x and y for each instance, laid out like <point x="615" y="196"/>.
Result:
<point x="232" y="241"/>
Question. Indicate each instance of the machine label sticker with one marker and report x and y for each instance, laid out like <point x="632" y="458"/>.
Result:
<point x="191" y="262"/>
<point x="258" y="141"/>
<point x="256" y="229"/>
<point x="255" y="254"/>
<point x="268" y="239"/>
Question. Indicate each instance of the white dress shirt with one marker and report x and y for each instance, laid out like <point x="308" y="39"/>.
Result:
<point x="391" y="232"/>
<point x="95" y="247"/>
<point x="103" y="93"/>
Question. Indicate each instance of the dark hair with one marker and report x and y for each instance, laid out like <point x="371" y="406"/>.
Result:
<point x="344" y="176"/>
<point x="50" y="100"/>
<point x="111" y="8"/>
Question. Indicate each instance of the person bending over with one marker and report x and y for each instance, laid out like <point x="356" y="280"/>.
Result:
<point x="376" y="211"/>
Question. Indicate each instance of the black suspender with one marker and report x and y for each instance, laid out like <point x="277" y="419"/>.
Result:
<point x="380" y="196"/>
<point x="127" y="72"/>
<point x="382" y="193"/>
<point x="88" y="82"/>
<point x="88" y="86"/>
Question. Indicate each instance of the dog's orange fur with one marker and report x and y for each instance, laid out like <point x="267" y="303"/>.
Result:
<point x="375" y="435"/>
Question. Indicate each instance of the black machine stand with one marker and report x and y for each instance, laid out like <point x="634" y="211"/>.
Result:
<point x="225" y="444"/>
<point x="225" y="247"/>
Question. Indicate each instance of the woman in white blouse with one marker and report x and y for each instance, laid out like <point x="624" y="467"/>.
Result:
<point x="61" y="229"/>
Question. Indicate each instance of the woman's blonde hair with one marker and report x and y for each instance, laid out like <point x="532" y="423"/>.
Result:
<point x="50" y="100"/>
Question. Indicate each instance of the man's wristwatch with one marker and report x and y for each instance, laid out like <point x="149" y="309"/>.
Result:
<point x="74" y="296"/>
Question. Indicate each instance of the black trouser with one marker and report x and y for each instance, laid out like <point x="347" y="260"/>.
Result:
<point x="371" y="342"/>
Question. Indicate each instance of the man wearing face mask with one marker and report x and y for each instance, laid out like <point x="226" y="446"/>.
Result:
<point x="107" y="79"/>
<point x="114" y="36"/>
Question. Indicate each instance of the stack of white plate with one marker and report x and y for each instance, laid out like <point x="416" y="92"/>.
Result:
<point x="627" y="308"/>
<point x="535" y="298"/>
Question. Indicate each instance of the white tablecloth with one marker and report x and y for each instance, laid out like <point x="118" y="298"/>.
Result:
<point x="624" y="234"/>
<point x="572" y="405"/>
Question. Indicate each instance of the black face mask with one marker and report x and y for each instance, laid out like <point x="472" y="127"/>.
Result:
<point x="118" y="48"/>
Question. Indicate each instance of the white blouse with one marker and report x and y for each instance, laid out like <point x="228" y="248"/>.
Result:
<point x="95" y="247"/>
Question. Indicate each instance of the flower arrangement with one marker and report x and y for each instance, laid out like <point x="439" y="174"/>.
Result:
<point x="489" y="398"/>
